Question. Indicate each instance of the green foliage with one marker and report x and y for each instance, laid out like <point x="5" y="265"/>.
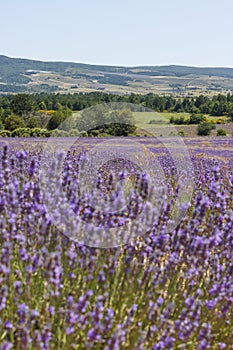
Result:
<point x="74" y="132"/>
<point x="217" y="105"/>
<point x="33" y="123"/>
<point x="59" y="133"/>
<point x="21" y="132"/>
<point x="23" y="105"/>
<point x="221" y="132"/>
<point x="172" y="119"/>
<point x="193" y="119"/>
<point x="230" y="111"/>
<point x="95" y="133"/>
<point x="205" y="128"/>
<point x="38" y="132"/>
<point x="196" y="118"/>
<point x="119" y="129"/>
<point x="5" y="133"/>
<point x="57" y="119"/>
<point x="42" y="119"/>
<point x="35" y="108"/>
<point x="42" y="105"/>
<point x="104" y="134"/>
<point x="13" y="122"/>
<point x="112" y="122"/>
<point x="177" y="120"/>
<point x="83" y="134"/>
<point x="181" y="133"/>
<point x="1" y="113"/>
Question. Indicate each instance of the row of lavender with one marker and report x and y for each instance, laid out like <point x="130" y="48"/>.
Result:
<point x="160" y="291"/>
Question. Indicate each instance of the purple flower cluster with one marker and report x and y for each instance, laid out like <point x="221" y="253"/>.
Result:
<point x="161" y="290"/>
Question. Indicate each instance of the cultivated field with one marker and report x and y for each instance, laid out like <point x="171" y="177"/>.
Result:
<point x="161" y="280"/>
<point x="159" y="120"/>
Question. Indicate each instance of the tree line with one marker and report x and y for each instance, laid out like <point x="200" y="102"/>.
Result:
<point x="217" y="105"/>
<point x="47" y="111"/>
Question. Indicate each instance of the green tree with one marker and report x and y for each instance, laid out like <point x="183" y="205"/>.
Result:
<point x="121" y="123"/>
<point x="113" y="122"/>
<point x="196" y="118"/>
<point x="42" y="105"/>
<point x="230" y="110"/>
<point x="205" y="128"/>
<point x="23" y="105"/>
<point x="1" y="118"/>
<point x="177" y="120"/>
<point x="42" y="119"/>
<point x="58" y="118"/>
<point x="14" y="122"/>
<point x="33" y="123"/>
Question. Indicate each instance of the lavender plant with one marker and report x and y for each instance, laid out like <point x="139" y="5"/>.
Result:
<point x="160" y="290"/>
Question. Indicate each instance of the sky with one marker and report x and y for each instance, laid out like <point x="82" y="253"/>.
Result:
<point x="122" y="32"/>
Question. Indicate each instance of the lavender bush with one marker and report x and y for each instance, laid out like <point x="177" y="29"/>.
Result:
<point x="161" y="290"/>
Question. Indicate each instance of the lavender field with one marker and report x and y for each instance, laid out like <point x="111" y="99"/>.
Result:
<point x="161" y="289"/>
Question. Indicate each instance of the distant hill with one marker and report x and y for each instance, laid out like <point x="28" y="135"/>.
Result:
<point x="18" y="75"/>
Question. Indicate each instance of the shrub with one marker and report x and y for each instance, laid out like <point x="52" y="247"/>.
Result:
<point x="38" y="132"/>
<point x="83" y="134"/>
<point x="33" y="123"/>
<point x="171" y="120"/>
<point x="178" y="121"/>
<point x="181" y="133"/>
<point x="114" y="122"/>
<point x="21" y="132"/>
<point x="205" y="128"/>
<point x="5" y="133"/>
<point x="94" y="133"/>
<point x="221" y="132"/>
<point x="59" y="133"/>
<point x="104" y="134"/>
<point x="196" y="119"/>
<point x="13" y="122"/>
<point x="74" y="132"/>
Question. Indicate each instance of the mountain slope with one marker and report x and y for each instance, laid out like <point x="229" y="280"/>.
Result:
<point x="18" y="74"/>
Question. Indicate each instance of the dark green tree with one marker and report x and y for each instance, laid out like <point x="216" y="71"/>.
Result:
<point x="23" y="105"/>
<point x="1" y="118"/>
<point x="205" y="128"/>
<point x="196" y="118"/>
<point x="33" y="123"/>
<point x="230" y="110"/>
<point x="112" y="122"/>
<point x="58" y="118"/>
<point x="42" y="119"/>
<point x="13" y="122"/>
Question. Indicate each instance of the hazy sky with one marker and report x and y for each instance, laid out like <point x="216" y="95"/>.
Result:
<point x="122" y="32"/>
